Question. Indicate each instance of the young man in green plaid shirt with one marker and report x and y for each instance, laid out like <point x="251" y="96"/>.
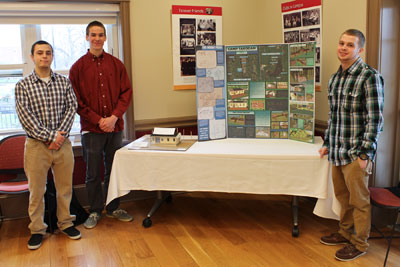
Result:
<point x="355" y="96"/>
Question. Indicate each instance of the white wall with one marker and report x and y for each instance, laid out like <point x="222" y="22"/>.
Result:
<point x="244" y="22"/>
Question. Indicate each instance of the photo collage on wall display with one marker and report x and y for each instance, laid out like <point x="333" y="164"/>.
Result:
<point x="210" y="83"/>
<point x="302" y="22"/>
<point x="302" y="91"/>
<point x="194" y="32"/>
<point x="188" y="46"/>
<point x="257" y="91"/>
<point x="192" y="26"/>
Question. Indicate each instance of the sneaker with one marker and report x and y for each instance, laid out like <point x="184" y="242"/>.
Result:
<point x="334" y="239"/>
<point x="92" y="220"/>
<point x="120" y="215"/>
<point x="35" y="241"/>
<point x="72" y="232"/>
<point x="348" y="253"/>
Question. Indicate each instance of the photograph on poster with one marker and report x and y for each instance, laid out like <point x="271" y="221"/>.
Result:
<point x="206" y="24"/>
<point x="238" y="90"/>
<point x="292" y="20"/>
<point x="273" y="63"/>
<point x="283" y="125"/>
<point x="270" y="93"/>
<point x="301" y="75"/>
<point x="311" y="17"/>
<point x="282" y="85"/>
<point x="305" y="50"/>
<point x="271" y="85"/>
<point x="279" y="116"/>
<point x="310" y="97"/>
<point x="188" y="46"/>
<point x="188" y="66"/>
<point x="188" y="27"/>
<point x="206" y="38"/>
<point x="262" y="132"/>
<point x="275" y="125"/>
<point x="242" y="63"/>
<point x="236" y="119"/>
<point x="297" y="96"/>
<point x="257" y="104"/>
<point x="301" y="135"/>
<point x="292" y="37"/>
<point x="238" y="104"/>
<point x="242" y="68"/>
<point x="302" y="108"/>
<point x="310" y="35"/>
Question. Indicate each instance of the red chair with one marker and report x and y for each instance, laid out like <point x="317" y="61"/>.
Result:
<point x="386" y="198"/>
<point x="11" y="164"/>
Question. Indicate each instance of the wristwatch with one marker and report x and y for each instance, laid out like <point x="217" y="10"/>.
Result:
<point x="363" y="156"/>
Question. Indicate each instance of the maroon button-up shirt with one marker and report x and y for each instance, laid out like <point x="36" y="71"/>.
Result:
<point x="102" y="88"/>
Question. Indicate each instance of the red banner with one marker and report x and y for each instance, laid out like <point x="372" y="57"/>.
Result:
<point x="197" y="10"/>
<point x="299" y="4"/>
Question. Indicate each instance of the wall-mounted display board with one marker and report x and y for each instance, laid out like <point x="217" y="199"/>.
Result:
<point x="192" y="26"/>
<point x="270" y="92"/>
<point x="302" y="22"/>
<point x="211" y="108"/>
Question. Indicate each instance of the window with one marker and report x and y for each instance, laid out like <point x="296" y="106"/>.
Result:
<point x="65" y="32"/>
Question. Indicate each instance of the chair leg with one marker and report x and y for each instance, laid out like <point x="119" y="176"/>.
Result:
<point x="390" y="240"/>
<point x="1" y="217"/>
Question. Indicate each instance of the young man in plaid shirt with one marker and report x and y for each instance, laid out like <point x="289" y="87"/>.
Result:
<point x="46" y="106"/>
<point x="355" y="97"/>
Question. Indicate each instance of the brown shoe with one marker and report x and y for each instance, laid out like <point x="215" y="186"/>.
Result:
<point x="348" y="253"/>
<point x="334" y="239"/>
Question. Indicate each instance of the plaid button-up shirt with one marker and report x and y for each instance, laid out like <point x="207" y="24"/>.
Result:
<point x="355" y="99"/>
<point x="45" y="108"/>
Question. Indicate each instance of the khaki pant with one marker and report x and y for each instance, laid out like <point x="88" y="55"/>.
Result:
<point x="350" y="184"/>
<point x="37" y="161"/>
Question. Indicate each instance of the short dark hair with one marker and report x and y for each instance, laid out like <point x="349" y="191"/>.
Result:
<point x="95" y="23"/>
<point x="40" y="42"/>
<point x="356" y="33"/>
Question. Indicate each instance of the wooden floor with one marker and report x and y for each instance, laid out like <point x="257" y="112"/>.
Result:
<point x="196" y="229"/>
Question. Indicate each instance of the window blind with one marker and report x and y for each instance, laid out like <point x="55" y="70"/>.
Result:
<point x="57" y="13"/>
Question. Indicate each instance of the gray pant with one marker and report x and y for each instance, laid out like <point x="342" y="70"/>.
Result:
<point x="99" y="148"/>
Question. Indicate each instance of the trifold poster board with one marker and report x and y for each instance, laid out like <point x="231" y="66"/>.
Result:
<point x="211" y="102"/>
<point x="269" y="93"/>
<point x="192" y="26"/>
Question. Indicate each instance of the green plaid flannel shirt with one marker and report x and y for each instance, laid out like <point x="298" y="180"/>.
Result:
<point x="355" y="99"/>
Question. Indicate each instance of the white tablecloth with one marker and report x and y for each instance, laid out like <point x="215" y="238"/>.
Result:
<point x="257" y="166"/>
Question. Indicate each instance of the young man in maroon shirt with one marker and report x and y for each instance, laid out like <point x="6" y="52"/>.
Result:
<point x="104" y="92"/>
